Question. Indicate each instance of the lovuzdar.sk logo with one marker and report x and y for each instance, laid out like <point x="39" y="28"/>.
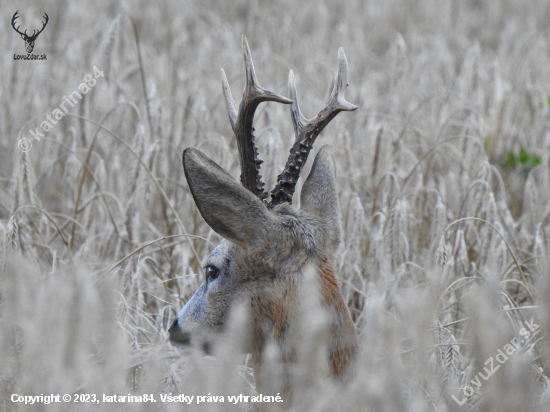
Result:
<point x="29" y="40"/>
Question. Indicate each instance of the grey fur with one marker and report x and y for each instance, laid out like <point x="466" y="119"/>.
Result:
<point x="228" y="208"/>
<point x="319" y="198"/>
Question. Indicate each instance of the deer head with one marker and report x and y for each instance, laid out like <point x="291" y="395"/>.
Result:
<point x="29" y="40"/>
<point x="267" y="246"/>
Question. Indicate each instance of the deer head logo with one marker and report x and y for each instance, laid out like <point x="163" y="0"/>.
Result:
<point x="29" y="40"/>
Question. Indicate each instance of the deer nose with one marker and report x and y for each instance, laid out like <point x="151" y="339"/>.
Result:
<point x="177" y="335"/>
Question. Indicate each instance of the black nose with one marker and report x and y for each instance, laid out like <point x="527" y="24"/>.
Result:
<point x="178" y="336"/>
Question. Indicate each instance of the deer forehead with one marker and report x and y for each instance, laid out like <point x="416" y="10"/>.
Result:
<point x="219" y="255"/>
<point x="291" y="242"/>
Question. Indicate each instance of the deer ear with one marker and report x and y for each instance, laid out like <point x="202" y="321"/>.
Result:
<point x="320" y="199"/>
<point x="229" y="209"/>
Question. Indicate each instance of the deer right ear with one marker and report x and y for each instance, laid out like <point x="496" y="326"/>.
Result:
<point x="320" y="199"/>
<point x="229" y="209"/>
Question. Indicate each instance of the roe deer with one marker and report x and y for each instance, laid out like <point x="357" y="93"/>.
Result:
<point x="268" y="246"/>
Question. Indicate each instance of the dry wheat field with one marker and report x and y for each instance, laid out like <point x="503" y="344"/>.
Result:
<point x="443" y="180"/>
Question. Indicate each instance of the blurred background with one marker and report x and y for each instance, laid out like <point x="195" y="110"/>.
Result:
<point x="443" y="175"/>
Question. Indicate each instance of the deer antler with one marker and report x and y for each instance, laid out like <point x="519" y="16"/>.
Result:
<point x="307" y="130"/>
<point x="34" y="33"/>
<point x="241" y="123"/>
<point x="34" y="36"/>
<point x="15" y="16"/>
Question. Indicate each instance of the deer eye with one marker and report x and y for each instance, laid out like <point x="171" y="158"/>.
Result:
<point x="211" y="272"/>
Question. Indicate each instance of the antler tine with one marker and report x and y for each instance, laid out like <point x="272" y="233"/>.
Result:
<point x="241" y="122"/>
<point x="15" y="16"/>
<point x="44" y="24"/>
<point x="229" y="102"/>
<point x="35" y="33"/>
<point x="307" y="130"/>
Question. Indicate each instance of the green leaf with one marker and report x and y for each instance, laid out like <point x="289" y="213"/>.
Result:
<point x="511" y="161"/>
<point x="486" y="141"/>
<point x="524" y="157"/>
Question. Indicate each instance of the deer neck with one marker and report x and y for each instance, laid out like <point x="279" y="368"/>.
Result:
<point x="277" y="318"/>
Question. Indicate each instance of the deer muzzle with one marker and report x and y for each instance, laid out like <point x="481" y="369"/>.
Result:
<point x="177" y="335"/>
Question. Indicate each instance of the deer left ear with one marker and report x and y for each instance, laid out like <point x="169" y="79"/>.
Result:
<point x="319" y="197"/>
<point x="228" y="208"/>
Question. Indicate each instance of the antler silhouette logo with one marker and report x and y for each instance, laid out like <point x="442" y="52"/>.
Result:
<point x="29" y="40"/>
